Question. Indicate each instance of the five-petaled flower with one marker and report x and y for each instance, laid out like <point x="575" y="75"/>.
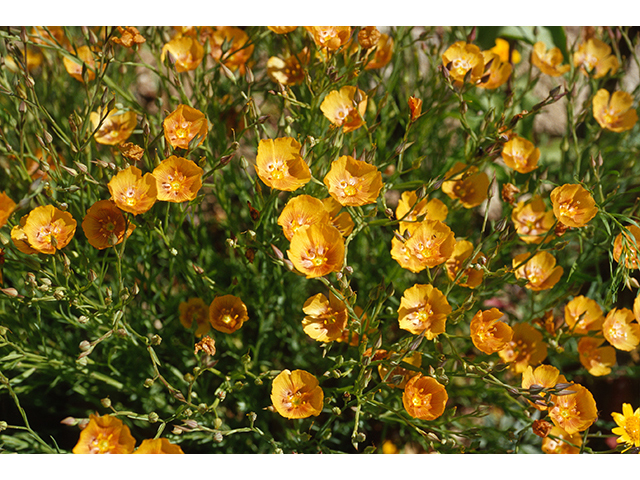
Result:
<point x="424" y="398"/>
<point x="297" y="394"/>
<point x="114" y="127"/>
<point x="105" y="225"/>
<point x="177" y="180"/>
<point x="105" y="434"/>
<point x="614" y="111"/>
<point x="227" y="313"/>
<point x="317" y="250"/>
<point x="46" y="229"/>
<point x="423" y="308"/>
<point x="280" y="165"/>
<point x="345" y="108"/>
<point x="185" y="127"/>
<point x="353" y="182"/>
<point x="133" y="192"/>
<point x="573" y="205"/>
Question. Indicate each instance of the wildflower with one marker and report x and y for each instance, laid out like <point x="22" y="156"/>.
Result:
<point x="558" y="441"/>
<point x="185" y="125"/>
<point x="544" y="376"/>
<point x="488" y="334"/>
<point x="414" y="359"/>
<point x="158" y="445"/>
<point x="388" y="447"/>
<point x="520" y="154"/>
<point x="467" y="184"/>
<point x="628" y="246"/>
<point x="290" y="70"/>
<point x="583" y="315"/>
<point x="573" y="205"/>
<point x="628" y="429"/>
<point x="74" y="66"/>
<point x="339" y="107"/>
<point x="115" y="128"/>
<point x="177" y="179"/>
<point x="532" y="220"/>
<point x="301" y="211"/>
<point x="7" y="206"/>
<point x="574" y="412"/>
<point x="596" y="359"/>
<point x="317" y="250"/>
<point x="19" y="238"/>
<point x="614" y="112"/>
<point x="502" y="49"/>
<point x="129" y="36"/>
<point x="548" y="60"/>
<point x="382" y="53"/>
<point x="525" y="348"/>
<point x="343" y="221"/>
<point x="104" y="225"/>
<point x="232" y="47"/>
<point x="430" y="243"/>
<point x="186" y="53"/>
<point x="620" y="330"/>
<point x="195" y="309"/>
<point x="280" y="165"/>
<point x="461" y="60"/>
<point x="281" y="30"/>
<point x="330" y="38"/>
<point x="497" y="73"/>
<point x="409" y="209"/>
<point x="540" y="270"/>
<point x="325" y="318"/>
<point x="423" y="308"/>
<point x="353" y="182"/>
<point x="594" y="58"/>
<point x="47" y="229"/>
<point x="105" y="434"/>
<point x="297" y="394"/>
<point x="415" y="108"/>
<point x="227" y="313"/>
<point x="424" y="398"/>
<point x="472" y="275"/>
<point x="133" y="192"/>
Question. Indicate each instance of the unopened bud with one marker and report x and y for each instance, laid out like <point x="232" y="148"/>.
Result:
<point x="106" y="402"/>
<point x="153" y="417"/>
<point x="85" y="345"/>
<point x="217" y="437"/>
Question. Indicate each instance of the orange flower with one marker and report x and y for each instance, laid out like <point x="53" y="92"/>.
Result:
<point x="280" y="165"/>
<point x="415" y="359"/>
<point x="132" y="192"/>
<point x="317" y="250"/>
<point x="232" y="47"/>
<point x="129" y="36"/>
<point x="343" y="221"/>
<point x="409" y="209"/>
<point x="415" y="107"/>
<point x="560" y="442"/>
<point x="105" y="434"/>
<point x="184" y="126"/>
<point x="290" y="70"/>
<point x="573" y="205"/>
<point x="502" y="49"/>
<point x="540" y="270"/>
<point x="177" y="179"/>
<point x="186" y="53"/>
<point x="520" y="154"/>
<point x="382" y="53"/>
<point x="281" y="30"/>
<point x="19" y="238"/>
<point x="325" y="318"/>
<point x="629" y="246"/>
<point x="424" y="398"/>
<point x="574" y="412"/>
<point x="628" y="428"/>
<point x="195" y="309"/>
<point x="597" y="360"/>
<point x="330" y="38"/>
<point x="620" y="330"/>
<point x="131" y="151"/>
<point x="583" y="315"/>
<point x="338" y="107"/>
<point x="497" y="73"/>
<point x="74" y="65"/>
<point x="548" y="60"/>
<point x="472" y="276"/>
<point x="227" y="313"/>
<point x="158" y="445"/>
<point x="594" y="58"/>
<point x="115" y="127"/>
<point x="545" y="376"/>
<point x="614" y="112"/>
<point x="467" y="184"/>
<point x="532" y="220"/>
<point x="47" y="229"/>
<point x="302" y="211"/>
<point x="104" y="225"/>
<point x="353" y="182"/>
<point x="297" y="394"/>
<point x="488" y="334"/>
<point x="7" y="206"/>
<point x="423" y="308"/>
<point x="430" y="243"/>
<point x="525" y="348"/>
<point x="463" y="58"/>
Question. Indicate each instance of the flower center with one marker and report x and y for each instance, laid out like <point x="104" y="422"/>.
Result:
<point x="102" y="444"/>
<point x="632" y="427"/>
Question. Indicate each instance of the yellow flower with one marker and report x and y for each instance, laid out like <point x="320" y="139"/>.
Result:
<point x="614" y="112"/>
<point x="628" y="246"/>
<point x="526" y="348"/>
<point x="19" y="238"/>
<point x="7" y="206"/>
<point x="353" y="182"/>
<point x="424" y="398"/>
<point x="388" y="447"/>
<point x="280" y="165"/>
<point x="158" y="446"/>
<point x="548" y="60"/>
<point x="185" y="52"/>
<point x="472" y="276"/>
<point x="430" y="243"/>
<point x="573" y="205"/>
<point x="325" y="318"/>
<point x="502" y="50"/>
<point x="317" y="250"/>
<point x="409" y="209"/>
<point x="583" y="315"/>
<point x="297" y="394"/>
<point x="330" y="38"/>
<point x="532" y="220"/>
<point x="497" y="73"/>
<point x="574" y="412"/>
<point x="545" y="376"/>
<point x="560" y="442"/>
<point x="423" y="308"/>
<point x="227" y="313"/>
<point x="463" y="58"/>
<point x="594" y="58"/>
<point x="302" y="211"/>
<point x="467" y="184"/>
<point x="488" y="334"/>
<point x="104" y="225"/>
<point x="540" y="270"/>
<point x="195" y="309"/>
<point x="620" y="330"/>
<point x="105" y="434"/>
<point x="232" y="47"/>
<point x="628" y="429"/>
<point x="74" y="66"/>
<point x="185" y="125"/>
<point x="290" y="70"/>
<point x="520" y="154"/>
<point x="597" y="360"/>
<point x="382" y="53"/>
<point x="177" y="179"/>
<point x="282" y="30"/>
<point x="48" y="229"/>
<point x="338" y="107"/>
<point x="115" y="128"/>
<point x="404" y="374"/>
<point x="133" y="192"/>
